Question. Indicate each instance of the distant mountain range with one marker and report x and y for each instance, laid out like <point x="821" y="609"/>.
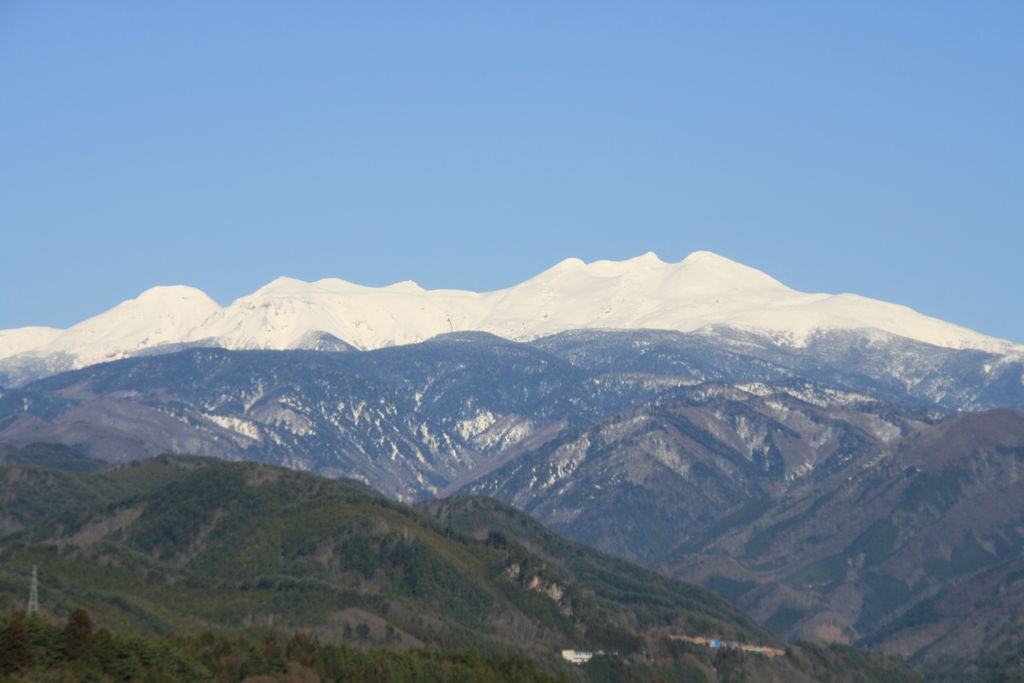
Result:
<point x="420" y="419"/>
<point x="755" y="477"/>
<point x="843" y="468"/>
<point x="702" y="292"/>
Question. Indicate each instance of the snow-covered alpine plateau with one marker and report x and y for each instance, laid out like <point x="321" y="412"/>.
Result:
<point x="702" y="292"/>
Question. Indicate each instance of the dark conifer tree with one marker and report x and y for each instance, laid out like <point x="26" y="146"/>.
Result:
<point x="15" y="647"/>
<point x="79" y="639"/>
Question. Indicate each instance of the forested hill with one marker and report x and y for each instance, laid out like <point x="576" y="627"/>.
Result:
<point x="182" y="545"/>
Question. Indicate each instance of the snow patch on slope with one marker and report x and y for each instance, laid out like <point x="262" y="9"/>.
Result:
<point x="236" y="424"/>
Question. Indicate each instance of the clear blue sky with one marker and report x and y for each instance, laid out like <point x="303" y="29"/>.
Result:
<point x="872" y="147"/>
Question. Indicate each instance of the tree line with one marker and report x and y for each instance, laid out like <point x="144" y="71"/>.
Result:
<point x="40" y="650"/>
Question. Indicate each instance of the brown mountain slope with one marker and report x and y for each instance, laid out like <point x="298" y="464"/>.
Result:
<point x="824" y="520"/>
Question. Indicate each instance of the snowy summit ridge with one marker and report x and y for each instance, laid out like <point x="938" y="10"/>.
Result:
<point x="703" y="290"/>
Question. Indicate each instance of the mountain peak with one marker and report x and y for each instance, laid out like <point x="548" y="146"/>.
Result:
<point x="405" y="286"/>
<point x="643" y="292"/>
<point x="647" y="257"/>
<point x="718" y="272"/>
<point x="700" y="256"/>
<point x="281" y="284"/>
<point x="164" y="294"/>
<point x="644" y="261"/>
<point x="574" y="264"/>
<point x="567" y="264"/>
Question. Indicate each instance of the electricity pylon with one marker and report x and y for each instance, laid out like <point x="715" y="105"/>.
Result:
<point x="33" y="592"/>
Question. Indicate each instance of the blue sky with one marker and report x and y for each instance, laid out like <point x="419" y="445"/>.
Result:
<point x="870" y="147"/>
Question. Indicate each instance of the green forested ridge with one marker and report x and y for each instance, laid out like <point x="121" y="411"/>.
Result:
<point x="42" y="650"/>
<point x="51" y="455"/>
<point x="649" y="594"/>
<point x="38" y="649"/>
<point x="179" y="546"/>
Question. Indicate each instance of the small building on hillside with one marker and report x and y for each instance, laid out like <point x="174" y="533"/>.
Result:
<point x="577" y="656"/>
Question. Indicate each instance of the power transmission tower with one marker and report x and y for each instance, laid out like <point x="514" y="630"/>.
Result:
<point x="33" y="592"/>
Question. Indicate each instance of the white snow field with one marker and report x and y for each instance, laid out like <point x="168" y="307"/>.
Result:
<point x="701" y="291"/>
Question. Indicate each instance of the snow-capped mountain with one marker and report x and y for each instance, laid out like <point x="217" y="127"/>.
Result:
<point x="702" y="291"/>
<point x="805" y="449"/>
<point x="19" y="340"/>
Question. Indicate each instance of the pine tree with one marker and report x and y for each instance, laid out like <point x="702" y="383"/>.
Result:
<point x="79" y="639"/>
<point x="15" y="647"/>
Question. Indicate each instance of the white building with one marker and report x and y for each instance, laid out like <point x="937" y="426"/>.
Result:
<point x="577" y="656"/>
